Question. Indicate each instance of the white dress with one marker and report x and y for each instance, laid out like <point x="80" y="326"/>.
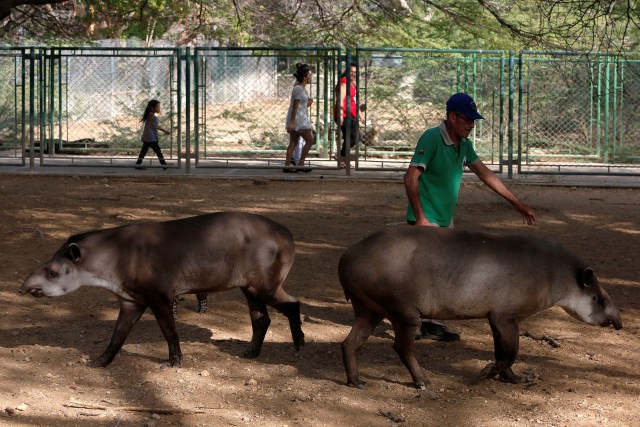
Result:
<point x="302" y="116"/>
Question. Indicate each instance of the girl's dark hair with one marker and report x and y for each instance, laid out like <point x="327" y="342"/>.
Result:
<point x="151" y="105"/>
<point x="301" y="72"/>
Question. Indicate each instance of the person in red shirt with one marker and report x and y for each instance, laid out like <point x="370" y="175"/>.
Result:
<point x="347" y="124"/>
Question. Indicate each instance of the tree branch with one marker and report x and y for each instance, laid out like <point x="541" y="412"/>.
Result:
<point x="7" y="5"/>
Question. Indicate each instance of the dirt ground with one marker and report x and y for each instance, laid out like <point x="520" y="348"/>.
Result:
<point x="592" y="378"/>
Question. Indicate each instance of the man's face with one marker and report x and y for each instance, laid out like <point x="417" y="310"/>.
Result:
<point x="461" y="125"/>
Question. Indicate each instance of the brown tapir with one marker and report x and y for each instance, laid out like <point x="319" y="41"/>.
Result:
<point x="407" y="273"/>
<point x="149" y="264"/>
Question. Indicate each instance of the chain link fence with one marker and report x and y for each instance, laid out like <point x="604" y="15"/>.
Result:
<point x="91" y="101"/>
<point x="242" y="98"/>
<point x="405" y="93"/>
<point x="544" y="112"/>
<point x="577" y="110"/>
<point x="12" y="106"/>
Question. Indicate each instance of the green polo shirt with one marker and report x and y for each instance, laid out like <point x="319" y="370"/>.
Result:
<point x="442" y="166"/>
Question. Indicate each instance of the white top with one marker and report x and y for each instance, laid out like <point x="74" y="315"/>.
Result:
<point x="302" y="115"/>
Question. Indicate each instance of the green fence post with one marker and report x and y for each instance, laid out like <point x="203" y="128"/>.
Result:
<point x="32" y="106"/>
<point x="622" y="69"/>
<point x="51" y="103"/>
<point x="176" y="64"/>
<point x="614" y="122"/>
<point x="59" y="63"/>
<point x="501" y="118"/>
<point x="607" y="87"/>
<point x="23" y="126"/>
<point x="511" y="107"/>
<point x="41" y="99"/>
<point x="599" y="108"/>
<point x="188" y="110"/>
<point x="347" y="138"/>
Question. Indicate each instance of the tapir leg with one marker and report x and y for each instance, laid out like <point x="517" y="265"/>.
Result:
<point x="365" y="323"/>
<point x="405" y="346"/>
<point x="290" y="307"/>
<point x="163" y="312"/>
<point x="260" y="322"/>
<point x="130" y="313"/>
<point x="506" y="343"/>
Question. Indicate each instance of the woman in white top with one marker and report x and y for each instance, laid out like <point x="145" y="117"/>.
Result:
<point x="298" y="123"/>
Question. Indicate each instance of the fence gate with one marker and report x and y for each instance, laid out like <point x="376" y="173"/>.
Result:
<point x="241" y="101"/>
<point x="14" y="90"/>
<point x="405" y="93"/>
<point x="578" y="113"/>
<point x="91" y="101"/>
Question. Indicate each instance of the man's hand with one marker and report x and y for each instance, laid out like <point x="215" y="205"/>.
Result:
<point x="528" y="217"/>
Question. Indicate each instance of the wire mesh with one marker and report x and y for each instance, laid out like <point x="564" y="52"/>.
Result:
<point x="83" y="105"/>
<point x="243" y="97"/>
<point x="95" y="98"/>
<point x="626" y="137"/>
<point x="12" y="108"/>
<point x="405" y="93"/>
<point x="578" y="109"/>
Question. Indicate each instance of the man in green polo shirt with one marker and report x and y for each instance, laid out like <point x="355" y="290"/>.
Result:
<point x="432" y="181"/>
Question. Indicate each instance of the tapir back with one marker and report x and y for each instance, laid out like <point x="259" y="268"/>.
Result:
<point x="452" y="274"/>
<point x="207" y="253"/>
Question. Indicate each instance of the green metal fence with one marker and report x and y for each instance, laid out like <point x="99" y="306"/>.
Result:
<point x="13" y="119"/>
<point x="405" y="93"/>
<point x="546" y="112"/>
<point x="89" y="102"/>
<point x="241" y="101"/>
<point x="578" y="111"/>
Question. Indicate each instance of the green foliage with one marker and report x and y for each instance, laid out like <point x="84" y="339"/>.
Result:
<point x="604" y="26"/>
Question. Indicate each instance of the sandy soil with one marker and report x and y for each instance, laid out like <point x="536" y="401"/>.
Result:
<point x="592" y="378"/>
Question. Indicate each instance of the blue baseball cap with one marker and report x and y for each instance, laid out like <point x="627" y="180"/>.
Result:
<point x="464" y="104"/>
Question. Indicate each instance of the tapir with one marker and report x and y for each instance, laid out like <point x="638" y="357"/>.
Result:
<point x="408" y="273"/>
<point x="148" y="264"/>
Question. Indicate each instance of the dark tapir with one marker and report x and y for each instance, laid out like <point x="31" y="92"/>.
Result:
<point x="408" y="273"/>
<point x="148" y="264"/>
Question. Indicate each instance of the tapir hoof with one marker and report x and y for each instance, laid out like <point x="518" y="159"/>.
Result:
<point x="175" y="361"/>
<point x="421" y="386"/>
<point x="298" y="341"/>
<point x="252" y="353"/>
<point x="357" y="384"/>
<point x="489" y="371"/>
<point x="508" y="376"/>
<point x="100" y="362"/>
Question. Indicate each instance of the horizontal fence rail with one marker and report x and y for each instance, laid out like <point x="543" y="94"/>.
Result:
<point x="545" y="112"/>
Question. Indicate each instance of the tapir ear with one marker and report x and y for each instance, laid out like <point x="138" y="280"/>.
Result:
<point x="587" y="278"/>
<point x="74" y="252"/>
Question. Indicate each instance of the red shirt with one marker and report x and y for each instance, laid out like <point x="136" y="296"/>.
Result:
<point x="352" y="96"/>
